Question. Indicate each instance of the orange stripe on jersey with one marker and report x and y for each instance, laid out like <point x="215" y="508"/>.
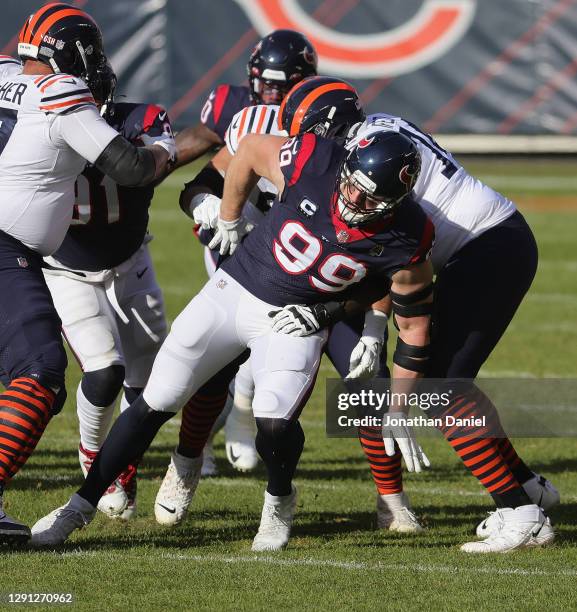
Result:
<point x="51" y="20"/>
<point x="88" y="99"/>
<point x="54" y="80"/>
<point x="263" y="113"/>
<point x="242" y="122"/>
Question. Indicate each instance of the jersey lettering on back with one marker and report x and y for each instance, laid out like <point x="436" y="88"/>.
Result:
<point x="303" y="253"/>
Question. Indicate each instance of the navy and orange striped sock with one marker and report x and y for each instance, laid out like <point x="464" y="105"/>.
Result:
<point x="25" y="409"/>
<point x="479" y="448"/>
<point x="198" y="417"/>
<point x="386" y="471"/>
<point x="517" y="465"/>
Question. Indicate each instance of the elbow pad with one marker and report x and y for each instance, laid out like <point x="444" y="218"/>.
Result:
<point x="210" y="178"/>
<point x="126" y="164"/>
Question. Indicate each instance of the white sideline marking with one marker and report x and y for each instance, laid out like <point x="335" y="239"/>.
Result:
<point x="344" y="565"/>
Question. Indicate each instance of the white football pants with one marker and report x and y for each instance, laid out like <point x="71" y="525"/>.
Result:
<point x="216" y="327"/>
<point x="113" y="318"/>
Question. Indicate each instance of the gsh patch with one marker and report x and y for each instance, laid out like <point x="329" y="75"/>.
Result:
<point x="307" y="208"/>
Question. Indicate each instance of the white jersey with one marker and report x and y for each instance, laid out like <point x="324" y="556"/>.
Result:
<point x="460" y="206"/>
<point x="49" y="127"/>
<point x="259" y="119"/>
<point x="9" y="66"/>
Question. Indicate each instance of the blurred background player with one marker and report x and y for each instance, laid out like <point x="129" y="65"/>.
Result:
<point x="278" y="61"/>
<point x="104" y="288"/>
<point x="49" y="127"/>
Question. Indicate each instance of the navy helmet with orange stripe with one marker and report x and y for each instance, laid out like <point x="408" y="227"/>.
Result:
<point x="279" y="60"/>
<point x="65" y="38"/>
<point x="325" y="106"/>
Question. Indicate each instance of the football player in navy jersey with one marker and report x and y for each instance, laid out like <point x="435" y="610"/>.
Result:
<point x="341" y="219"/>
<point x="278" y="61"/>
<point x="104" y="288"/>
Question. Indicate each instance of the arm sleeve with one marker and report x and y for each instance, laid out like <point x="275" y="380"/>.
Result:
<point x="85" y="131"/>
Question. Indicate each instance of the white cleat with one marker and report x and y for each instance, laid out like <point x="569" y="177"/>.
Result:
<point x="540" y="491"/>
<point x="275" y="522"/>
<point x="522" y="527"/>
<point x="239" y="433"/>
<point x="209" y="468"/>
<point x="54" y="528"/>
<point x="12" y="532"/>
<point x="394" y="513"/>
<point x="114" y="501"/>
<point x="177" y="489"/>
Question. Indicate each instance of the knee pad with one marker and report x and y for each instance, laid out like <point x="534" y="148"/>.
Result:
<point x="102" y="386"/>
<point x="277" y="430"/>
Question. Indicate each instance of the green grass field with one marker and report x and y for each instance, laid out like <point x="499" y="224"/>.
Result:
<point x="337" y="559"/>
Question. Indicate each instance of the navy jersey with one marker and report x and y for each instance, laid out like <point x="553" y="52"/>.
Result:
<point x="110" y="221"/>
<point x="222" y="105"/>
<point x="303" y="253"/>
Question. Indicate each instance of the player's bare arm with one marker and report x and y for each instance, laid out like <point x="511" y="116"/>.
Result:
<point x="257" y="156"/>
<point x="192" y="142"/>
<point x="411" y="295"/>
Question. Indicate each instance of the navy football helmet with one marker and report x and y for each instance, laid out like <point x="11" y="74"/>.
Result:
<point x="278" y="61"/>
<point x="376" y="176"/>
<point x="65" y="38"/>
<point x="325" y="106"/>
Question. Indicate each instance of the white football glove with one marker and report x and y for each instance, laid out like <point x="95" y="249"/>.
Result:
<point x="295" y="320"/>
<point x="365" y="358"/>
<point x="229" y="234"/>
<point x="205" y="208"/>
<point x="165" y="140"/>
<point x="404" y="436"/>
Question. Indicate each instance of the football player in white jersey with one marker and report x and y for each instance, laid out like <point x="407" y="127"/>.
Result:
<point x="49" y="127"/>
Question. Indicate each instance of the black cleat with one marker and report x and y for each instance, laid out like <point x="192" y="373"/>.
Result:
<point x="12" y="532"/>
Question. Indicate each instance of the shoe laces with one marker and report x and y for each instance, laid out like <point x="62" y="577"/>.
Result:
<point x="406" y="515"/>
<point x="178" y="481"/>
<point x="273" y="512"/>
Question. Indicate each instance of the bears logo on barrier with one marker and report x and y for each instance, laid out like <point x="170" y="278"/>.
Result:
<point x="435" y="27"/>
